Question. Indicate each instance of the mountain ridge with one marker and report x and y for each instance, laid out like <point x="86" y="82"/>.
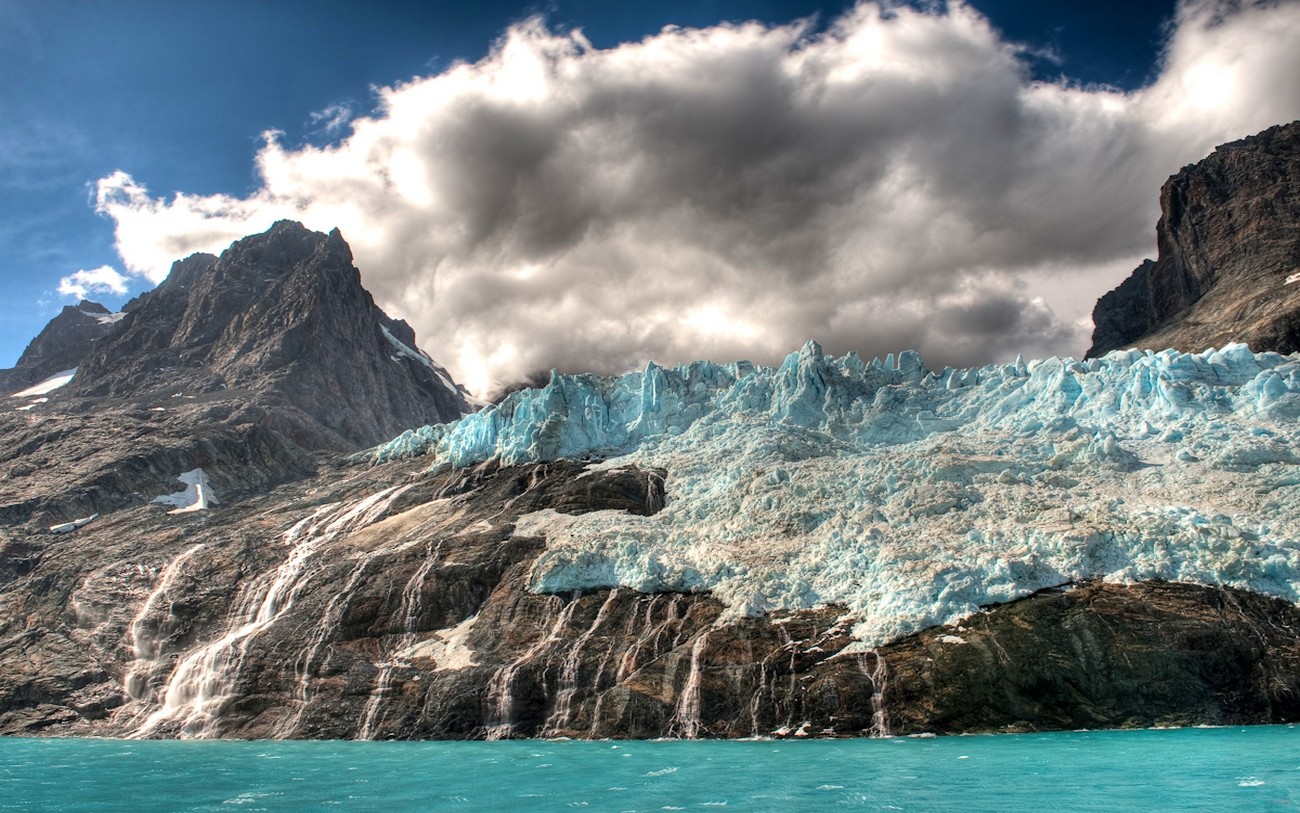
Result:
<point x="282" y="314"/>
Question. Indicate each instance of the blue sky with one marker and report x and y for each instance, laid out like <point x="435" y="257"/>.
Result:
<point x="178" y="95"/>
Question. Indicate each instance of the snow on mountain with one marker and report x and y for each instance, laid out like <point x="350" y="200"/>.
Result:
<point x="196" y="496"/>
<point x="913" y="498"/>
<point x="404" y="350"/>
<point x="59" y="379"/>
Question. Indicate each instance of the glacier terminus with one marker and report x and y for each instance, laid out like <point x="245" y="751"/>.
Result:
<point x="913" y="497"/>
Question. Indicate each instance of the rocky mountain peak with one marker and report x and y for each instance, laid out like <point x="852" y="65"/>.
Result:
<point x="282" y="320"/>
<point x="1228" y="244"/>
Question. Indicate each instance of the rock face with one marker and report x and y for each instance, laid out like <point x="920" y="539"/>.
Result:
<point x="62" y="345"/>
<point x="391" y="603"/>
<point x="1228" y="245"/>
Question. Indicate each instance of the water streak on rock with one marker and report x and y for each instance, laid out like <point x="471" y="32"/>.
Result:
<point x="563" y="708"/>
<point x="147" y="634"/>
<point x="203" y="679"/>
<point x="686" y="718"/>
<point x="500" y="688"/>
<point x="409" y="611"/>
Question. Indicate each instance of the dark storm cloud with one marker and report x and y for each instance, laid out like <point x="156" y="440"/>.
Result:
<point x="894" y="181"/>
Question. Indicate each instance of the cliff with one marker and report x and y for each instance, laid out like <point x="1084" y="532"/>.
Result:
<point x="1228" y="244"/>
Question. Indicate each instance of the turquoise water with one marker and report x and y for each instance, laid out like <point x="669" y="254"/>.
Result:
<point x="1190" y="769"/>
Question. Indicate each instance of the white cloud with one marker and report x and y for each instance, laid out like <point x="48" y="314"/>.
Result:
<point x="102" y="280"/>
<point x="897" y="180"/>
<point x="332" y="119"/>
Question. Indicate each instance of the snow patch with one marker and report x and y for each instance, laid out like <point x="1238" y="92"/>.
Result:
<point x="406" y="350"/>
<point x="448" y="648"/>
<point x="68" y="527"/>
<point x="48" y="385"/>
<point x="197" y="495"/>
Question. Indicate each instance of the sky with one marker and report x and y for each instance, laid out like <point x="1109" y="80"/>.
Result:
<point x="590" y="185"/>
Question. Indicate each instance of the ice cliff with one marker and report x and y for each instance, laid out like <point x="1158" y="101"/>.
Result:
<point x="912" y="497"/>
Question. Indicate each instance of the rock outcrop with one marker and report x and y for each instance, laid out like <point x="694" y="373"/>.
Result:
<point x="392" y="603"/>
<point x="1228" y="245"/>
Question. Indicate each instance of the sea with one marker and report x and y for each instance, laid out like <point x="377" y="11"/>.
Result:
<point x="1211" y="769"/>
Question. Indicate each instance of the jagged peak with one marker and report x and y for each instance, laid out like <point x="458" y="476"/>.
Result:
<point x="282" y="315"/>
<point x="88" y="307"/>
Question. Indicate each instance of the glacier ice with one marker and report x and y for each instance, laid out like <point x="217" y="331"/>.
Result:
<point x="914" y="497"/>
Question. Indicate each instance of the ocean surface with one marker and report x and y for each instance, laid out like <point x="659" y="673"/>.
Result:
<point x="1224" y="769"/>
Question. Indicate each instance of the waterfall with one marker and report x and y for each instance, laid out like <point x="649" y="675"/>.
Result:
<point x="307" y="662"/>
<point x="646" y="635"/>
<point x="563" y="708"/>
<point x="756" y="702"/>
<point x="146" y="649"/>
<point x="879" y="676"/>
<point x="789" y="647"/>
<point x="686" y="718"/>
<point x="409" y="611"/>
<point x="500" y="688"/>
<point x="655" y="631"/>
<point x="204" y="679"/>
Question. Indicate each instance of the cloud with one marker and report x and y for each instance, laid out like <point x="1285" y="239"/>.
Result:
<point x="102" y="280"/>
<point x="331" y="120"/>
<point x="895" y="180"/>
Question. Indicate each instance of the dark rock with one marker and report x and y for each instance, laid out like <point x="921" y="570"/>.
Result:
<point x="1123" y="315"/>
<point x="1103" y="656"/>
<point x="1228" y="244"/>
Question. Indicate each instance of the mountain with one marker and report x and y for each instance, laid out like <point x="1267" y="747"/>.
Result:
<point x="1228" y="263"/>
<point x="60" y="346"/>
<point x="247" y="366"/>
<point x="281" y="318"/>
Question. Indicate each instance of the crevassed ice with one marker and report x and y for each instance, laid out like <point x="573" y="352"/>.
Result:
<point x="912" y="497"/>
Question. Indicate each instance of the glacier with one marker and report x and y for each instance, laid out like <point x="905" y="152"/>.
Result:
<point x="907" y="496"/>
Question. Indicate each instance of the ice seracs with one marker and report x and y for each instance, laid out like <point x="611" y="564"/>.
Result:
<point x="914" y="497"/>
